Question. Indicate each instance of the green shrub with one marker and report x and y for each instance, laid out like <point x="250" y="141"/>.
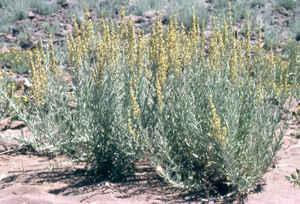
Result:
<point x="42" y="7"/>
<point x="294" y="177"/>
<point x="287" y="4"/>
<point x="202" y="111"/>
<point x="15" y="60"/>
<point x="185" y="148"/>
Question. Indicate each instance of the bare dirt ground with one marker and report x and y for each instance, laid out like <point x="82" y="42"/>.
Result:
<point x="28" y="178"/>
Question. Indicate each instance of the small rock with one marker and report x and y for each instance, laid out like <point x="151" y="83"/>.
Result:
<point x="151" y="13"/>
<point x="31" y="15"/>
<point x="297" y="134"/>
<point x="60" y="35"/>
<point x="297" y="38"/>
<point x="64" y="3"/>
<point x="208" y="34"/>
<point x="10" y="37"/>
<point x="4" y="49"/>
<point x="136" y="19"/>
<point x="26" y="45"/>
<point x="165" y="20"/>
<point x="5" y="123"/>
<point x="22" y="81"/>
<point x="17" y="125"/>
<point x="283" y="11"/>
<point x="68" y="27"/>
<point x="291" y="105"/>
<point x="15" y="31"/>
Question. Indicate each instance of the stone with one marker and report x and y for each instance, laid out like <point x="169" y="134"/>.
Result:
<point x="27" y="45"/>
<point x="151" y="13"/>
<point x="5" y="123"/>
<point x="64" y="3"/>
<point x="17" y="125"/>
<point x="136" y="19"/>
<point x="291" y="105"/>
<point x="10" y="37"/>
<point x="31" y="15"/>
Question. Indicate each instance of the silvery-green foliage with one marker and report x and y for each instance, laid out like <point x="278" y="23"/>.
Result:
<point x="182" y="146"/>
<point x="90" y="126"/>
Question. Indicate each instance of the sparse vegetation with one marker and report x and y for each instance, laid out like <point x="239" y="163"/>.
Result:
<point x="287" y="4"/>
<point x="294" y="177"/>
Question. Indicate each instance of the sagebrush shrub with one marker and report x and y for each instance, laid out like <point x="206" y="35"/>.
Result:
<point x="200" y="109"/>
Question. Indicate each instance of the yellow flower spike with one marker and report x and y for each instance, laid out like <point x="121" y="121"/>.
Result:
<point x="132" y="45"/>
<point x="185" y="47"/>
<point x="79" y="50"/>
<point x="141" y="49"/>
<point x="42" y="52"/>
<point x="105" y="37"/>
<point x="72" y="48"/>
<point x="215" y="120"/>
<point x="225" y="31"/>
<point x="159" y="28"/>
<point x="12" y="88"/>
<point x="260" y="40"/>
<point x="133" y="101"/>
<point x="220" y="45"/>
<point x="53" y="63"/>
<point x="114" y="46"/>
<point x="202" y="54"/>
<point x="219" y="132"/>
<point x="39" y="79"/>
<point x="1" y="74"/>
<point x="123" y="26"/>
<point x="162" y="65"/>
<point x="230" y="21"/>
<point x="173" y="47"/>
<point x="37" y="58"/>
<point x="130" y="128"/>
<point x="233" y="62"/>
<point x="153" y="45"/>
<point x="88" y="29"/>
<point x="157" y="50"/>
<point x="248" y="42"/>
<point x="100" y="64"/>
<point x="76" y="30"/>
<point x="31" y="62"/>
<point x="213" y="51"/>
<point x="87" y="14"/>
<point x="194" y="35"/>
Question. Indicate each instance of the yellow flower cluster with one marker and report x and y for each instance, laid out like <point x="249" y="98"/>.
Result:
<point x="173" y="46"/>
<point x="219" y="132"/>
<point x="108" y="50"/>
<point x="158" y="54"/>
<point x="1" y="75"/>
<point x="14" y="57"/>
<point x="141" y="50"/>
<point x="132" y="46"/>
<point x="52" y="58"/>
<point x="79" y="43"/>
<point x="133" y="101"/>
<point x="39" y="77"/>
